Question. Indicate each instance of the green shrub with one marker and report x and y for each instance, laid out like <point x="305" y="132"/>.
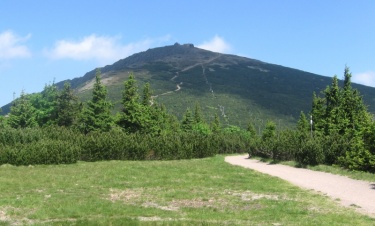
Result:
<point x="285" y="146"/>
<point x="40" y="152"/>
<point x="310" y="152"/>
<point x="358" y="158"/>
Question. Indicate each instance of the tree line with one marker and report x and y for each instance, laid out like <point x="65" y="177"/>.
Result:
<point x="54" y="127"/>
<point x="340" y="131"/>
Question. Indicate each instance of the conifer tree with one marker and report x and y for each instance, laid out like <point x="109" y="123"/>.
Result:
<point x="303" y="126"/>
<point x="251" y="129"/>
<point x="67" y="107"/>
<point x="334" y="114"/>
<point x="22" y="113"/>
<point x="269" y="131"/>
<point x="356" y="114"/>
<point x="96" y="116"/>
<point x="188" y="121"/>
<point x="215" y="127"/>
<point x="342" y="118"/>
<point x="46" y="105"/>
<point x="198" y="113"/>
<point x="146" y="100"/>
<point x="318" y="112"/>
<point x="133" y="118"/>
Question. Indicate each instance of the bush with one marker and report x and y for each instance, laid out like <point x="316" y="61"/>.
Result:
<point x="57" y="145"/>
<point x="358" y="158"/>
<point x="41" y="152"/>
<point x="285" y="145"/>
<point x="310" y="152"/>
<point x="335" y="146"/>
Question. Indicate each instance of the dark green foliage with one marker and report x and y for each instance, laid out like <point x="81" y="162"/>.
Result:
<point x="67" y="107"/>
<point x="266" y="145"/>
<point x="59" y="145"/>
<point x="215" y="125"/>
<point x="286" y="146"/>
<point x="96" y="116"/>
<point x="147" y="93"/>
<point x="343" y="122"/>
<point x="318" y="113"/>
<point x="202" y="128"/>
<point x="188" y="121"/>
<point x="45" y="104"/>
<point x="49" y="145"/>
<point x="185" y="145"/>
<point x="343" y="131"/>
<point x="251" y="129"/>
<point x="303" y="126"/>
<point x="198" y="118"/>
<point x="22" y="113"/>
<point x="41" y="152"/>
<point x="270" y="131"/>
<point x="134" y="116"/>
<point x="310" y="152"/>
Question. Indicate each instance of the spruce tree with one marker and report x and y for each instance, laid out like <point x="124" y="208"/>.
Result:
<point x="198" y="113"/>
<point x="215" y="126"/>
<point x="343" y="119"/>
<point x="319" y="113"/>
<point x="67" y="106"/>
<point x="96" y="116"/>
<point x="133" y="116"/>
<point x="251" y="129"/>
<point x="334" y="113"/>
<point x="22" y="113"/>
<point x="269" y="131"/>
<point x="188" y="121"/>
<point x="46" y="105"/>
<point x="303" y="126"/>
<point x="146" y="100"/>
<point x="356" y="114"/>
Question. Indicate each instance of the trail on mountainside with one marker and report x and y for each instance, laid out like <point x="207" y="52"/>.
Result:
<point x="178" y="86"/>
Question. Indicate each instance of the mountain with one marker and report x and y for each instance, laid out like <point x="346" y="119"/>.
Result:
<point x="236" y="88"/>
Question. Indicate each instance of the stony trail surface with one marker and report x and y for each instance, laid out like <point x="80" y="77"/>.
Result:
<point x="349" y="192"/>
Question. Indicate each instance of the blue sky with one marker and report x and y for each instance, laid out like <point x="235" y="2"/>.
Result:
<point x="42" y="41"/>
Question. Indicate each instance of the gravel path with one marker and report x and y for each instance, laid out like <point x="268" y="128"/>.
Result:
<point x="350" y="192"/>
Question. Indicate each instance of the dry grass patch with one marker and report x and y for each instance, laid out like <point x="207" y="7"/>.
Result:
<point x="129" y="196"/>
<point x="15" y="216"/>
<point x="251" y="196"/>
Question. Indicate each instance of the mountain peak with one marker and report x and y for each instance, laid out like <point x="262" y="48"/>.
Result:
<point x="184" y="45"/>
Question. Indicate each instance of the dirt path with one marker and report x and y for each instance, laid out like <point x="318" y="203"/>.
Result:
<point x="350" y="192"/>
<point x="178" y="86"/>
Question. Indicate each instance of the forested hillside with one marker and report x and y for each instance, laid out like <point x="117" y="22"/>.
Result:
<point x="54" y="127"/>
<point x="237" y="89"/>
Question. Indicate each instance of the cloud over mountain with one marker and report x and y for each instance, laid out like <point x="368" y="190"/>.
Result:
<point x="104" y="49"/>
<point x="216" y="44"/>
<point x="366" y="78"/>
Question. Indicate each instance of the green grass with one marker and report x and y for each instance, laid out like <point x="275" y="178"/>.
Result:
<point x="334" y="169"/>
<point x="188" y="192"/>
<point x="358" y="175"/>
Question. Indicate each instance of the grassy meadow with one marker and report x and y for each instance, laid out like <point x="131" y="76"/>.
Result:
<point x="185" y="192"/>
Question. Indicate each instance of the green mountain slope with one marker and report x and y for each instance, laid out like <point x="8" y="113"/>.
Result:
<point x="238" y="89"/>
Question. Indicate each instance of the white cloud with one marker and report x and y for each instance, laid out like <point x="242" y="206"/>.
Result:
<point x="216" y="44"/>
<point x="366" y="78"/>
<point x="11" y="46"/>
<point x="104" y="49"/>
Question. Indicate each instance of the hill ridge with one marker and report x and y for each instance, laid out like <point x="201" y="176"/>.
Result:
<point x="237" y="88"/>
